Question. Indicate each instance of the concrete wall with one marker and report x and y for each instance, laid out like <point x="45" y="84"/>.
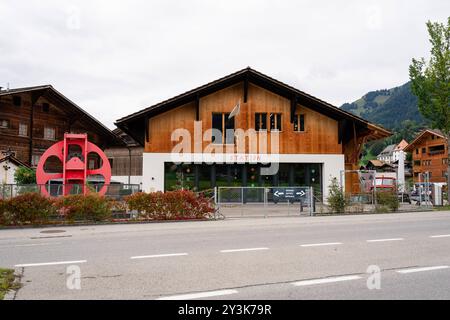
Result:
<point x="153" y="164"/>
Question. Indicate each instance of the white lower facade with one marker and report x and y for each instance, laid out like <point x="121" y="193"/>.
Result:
<point x="153" y="164"/>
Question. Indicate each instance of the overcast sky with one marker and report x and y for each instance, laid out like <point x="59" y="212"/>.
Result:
<point x="116" y="57"/>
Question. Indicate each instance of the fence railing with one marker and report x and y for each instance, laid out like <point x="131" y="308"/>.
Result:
<point x="115" y="191"/>
<point x="295" y="199"/>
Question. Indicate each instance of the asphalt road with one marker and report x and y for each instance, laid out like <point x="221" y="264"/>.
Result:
<point x="274" y="258"/>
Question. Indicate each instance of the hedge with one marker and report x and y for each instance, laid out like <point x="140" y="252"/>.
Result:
<point x="33" y="208"/>
<point x="172" y="205"/>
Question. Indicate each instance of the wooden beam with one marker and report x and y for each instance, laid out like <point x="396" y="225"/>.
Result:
<point x="245" y="89"/>
<point x="293" y="107"/>
<point x="197" y="108"/>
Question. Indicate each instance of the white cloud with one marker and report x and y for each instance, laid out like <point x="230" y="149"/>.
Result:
<point x="114" y="57"/>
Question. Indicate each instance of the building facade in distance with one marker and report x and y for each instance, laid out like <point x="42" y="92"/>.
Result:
<point x="429" y="154"/>
<point x="316" y="141"/>
<point x="391" y="153"/>
<point x="34" y="118"/>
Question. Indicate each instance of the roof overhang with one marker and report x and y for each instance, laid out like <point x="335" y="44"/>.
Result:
<point x="135" y="124"/>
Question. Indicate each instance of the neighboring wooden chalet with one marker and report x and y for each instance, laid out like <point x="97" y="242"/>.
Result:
<point x="429" y="154"/>
<point x="34" y="118"/>
<point x="317" y="139"/>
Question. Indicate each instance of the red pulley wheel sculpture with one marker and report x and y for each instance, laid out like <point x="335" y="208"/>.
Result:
<point x="75" y="170"/>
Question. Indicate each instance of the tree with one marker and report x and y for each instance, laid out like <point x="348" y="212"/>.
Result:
<point x="430" y="82"/>
<point x="24" y="175"/>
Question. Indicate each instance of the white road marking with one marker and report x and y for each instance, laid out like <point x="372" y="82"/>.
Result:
<point x="159" y="256"/>
<point x="440" y="236"/>
<point x="325" y="280"/>
<point x="241" y="250"/>
<point x="200" y="295"/>
<point x="385" y="240"/>
<point x="411" y="270"/>
<point x="321" y="244"/>
<point x="49" y="263"/>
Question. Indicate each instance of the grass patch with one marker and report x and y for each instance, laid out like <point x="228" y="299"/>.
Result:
<point x="443" y="208"/>
<point x="7" y="282"/>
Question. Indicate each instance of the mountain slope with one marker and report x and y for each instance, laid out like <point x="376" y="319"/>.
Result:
<point x="388" y="107"/>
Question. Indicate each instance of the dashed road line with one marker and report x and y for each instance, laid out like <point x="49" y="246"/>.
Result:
<point x="324" y="280"/>
<point x="242" y="250"/>
<point x="411" y="270"/>
<point x="440" y="236"/>
<point x="159" y="256"/>
<point x="385" y="240"/>
<point x="199" y="295"/>
<point x="49" y="263"/>
<point x="321" y="244"/>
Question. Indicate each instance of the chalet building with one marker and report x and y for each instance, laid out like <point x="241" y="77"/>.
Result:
<point x="429" y="154"/>
<point x="34" y="118"/>
<point x="126" y="160"/>
<point x="316" y="139"/>
<point x="392" y="152"/>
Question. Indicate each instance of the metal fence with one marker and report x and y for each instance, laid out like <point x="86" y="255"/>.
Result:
<point x="114" y="191"/>
<point x="265" y="201"/>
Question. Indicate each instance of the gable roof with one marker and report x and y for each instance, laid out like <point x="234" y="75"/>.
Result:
<point x="57" y="98"/>
<point x="388" y="150"/>
<point x="421" y="135"/>
<point x="13" y="159"/>
<point x="134" y="124"/>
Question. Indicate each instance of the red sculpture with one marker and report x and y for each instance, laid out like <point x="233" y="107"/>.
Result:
<point x="75" y="170"/>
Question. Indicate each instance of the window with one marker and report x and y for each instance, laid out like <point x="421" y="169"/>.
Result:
<point x="35" y="160"/>
<point x="444" y="160"/>
<point x="4" y="123"/>
<point x="417" y="163"/>
<point x="23" y="129"/>
<point x="299" y="122"/>
<point x="49" y="133"/>
<point x="424" y="150"/>
<point x="444" y="174"/>
<point x="221" y="122"/>
<point x="17" y="101"/>
<point x="417" y="151"/>
<point x="45" y="107"/>
<point x="275" y="121"/>
<point x="260" y="121"/>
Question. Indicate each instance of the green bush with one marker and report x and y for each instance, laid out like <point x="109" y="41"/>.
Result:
<point x="28" y="208"/>
<point x="388" y="199"/>
<point x="91" y="207"/>
<point x="172" y="205"/>
<point x="25" y="175"/>
<point x="336" y="197"/>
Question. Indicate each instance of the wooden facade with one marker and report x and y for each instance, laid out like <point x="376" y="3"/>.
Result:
<point x="125" y="160"/>
<point x="429" y="154"/>
<point x="32" y="119"/>
<point x="320" y="134"/>
<point x="326" y="130"/>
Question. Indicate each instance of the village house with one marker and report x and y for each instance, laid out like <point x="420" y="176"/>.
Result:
<point x="34" y="118"/>
<point x="429" y="154"/>
<point x="317" y="140"/>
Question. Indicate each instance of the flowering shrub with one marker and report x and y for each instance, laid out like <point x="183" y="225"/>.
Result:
<point x="28" y="208"/>
<point x="84" y="207"/>
<point x="172" y="205"/>
<point x="2" y="212"/>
